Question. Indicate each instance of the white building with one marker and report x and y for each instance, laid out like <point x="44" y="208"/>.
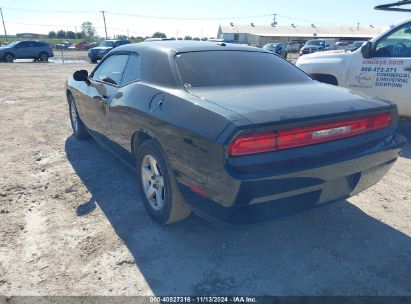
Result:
<point x="258" y="35"/>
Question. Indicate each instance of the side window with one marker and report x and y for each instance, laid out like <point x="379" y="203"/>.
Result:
<point x="395" y="44"/>
<point x="22" y="44"/>
<point x="133" y="70"/>
<point x="111" y="70"/>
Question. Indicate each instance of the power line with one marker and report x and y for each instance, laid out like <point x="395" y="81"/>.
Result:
<point x="74" y="26"/>
<point x="47" y="11"/>
<point x="138" y="15"/>
<point x="168" y="17"/>
<point x="188" y="18"/>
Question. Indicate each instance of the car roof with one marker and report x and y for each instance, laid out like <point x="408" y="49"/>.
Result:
<point x="177" y="46"/>
<point x="39" y="41"/>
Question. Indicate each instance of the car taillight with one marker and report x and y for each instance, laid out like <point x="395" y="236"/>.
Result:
<point x="298" y="137"/>
<point x="252" y="144"/>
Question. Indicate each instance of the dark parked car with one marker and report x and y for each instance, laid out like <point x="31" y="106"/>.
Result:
<point x="276" y="47"/>
<point x="98" y="52"/>
<point x="65" y="45"/>
<point x="315" y="45"/>
<point x="234" y="133"/>
<point x="26" y="50"/>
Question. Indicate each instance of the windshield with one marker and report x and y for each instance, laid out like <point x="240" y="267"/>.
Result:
<point x="107" y="43"/>
<point x="233" y="68"/>
<point x="315" y="42"/>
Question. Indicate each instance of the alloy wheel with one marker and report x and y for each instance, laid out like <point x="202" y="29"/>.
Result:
<point x="153" y="182"/>
<point x="43" y="57"/>
<point x="74" y="117"/>
<point x="8" y="58"/>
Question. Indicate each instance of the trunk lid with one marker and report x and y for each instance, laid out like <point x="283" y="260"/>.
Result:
<point x="280" y="103"/>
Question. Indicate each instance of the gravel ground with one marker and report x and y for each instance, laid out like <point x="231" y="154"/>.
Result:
<point x="70" y="223"/>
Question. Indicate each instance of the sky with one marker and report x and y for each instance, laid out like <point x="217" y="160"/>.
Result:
<point x="178" y="18"/>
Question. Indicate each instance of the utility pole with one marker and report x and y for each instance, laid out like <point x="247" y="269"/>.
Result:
<point x="105" y="27"/>
<point x="4" y="25"/>
<point x="274" y="23"/>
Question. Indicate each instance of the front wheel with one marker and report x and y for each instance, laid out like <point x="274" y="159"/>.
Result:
<point x="8" y="57"/>
<point x="157" y="185"/>
<point x="79" y="129"/>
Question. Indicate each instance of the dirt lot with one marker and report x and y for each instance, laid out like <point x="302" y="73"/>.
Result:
<point x="70" y="223"/>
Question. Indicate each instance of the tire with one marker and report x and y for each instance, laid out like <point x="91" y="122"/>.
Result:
<point x="8" y="57"/>
<point x="162" y="199"/>
<point x="43" y="57"/>
<point x="79" y="129"/>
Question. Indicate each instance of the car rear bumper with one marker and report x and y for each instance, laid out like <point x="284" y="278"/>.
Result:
<point x="264" y="199"/>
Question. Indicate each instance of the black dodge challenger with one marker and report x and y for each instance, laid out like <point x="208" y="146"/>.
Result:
<point x="231" y="132"/>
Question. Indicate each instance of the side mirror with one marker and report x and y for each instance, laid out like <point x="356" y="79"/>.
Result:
<point x="366" y="50"/>
<point x="81" y="75"/>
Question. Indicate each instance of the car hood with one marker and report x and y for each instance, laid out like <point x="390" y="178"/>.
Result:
<point x="333" y="54"/>
<point x="3" y="48"/>
<point x="275" y="103"/>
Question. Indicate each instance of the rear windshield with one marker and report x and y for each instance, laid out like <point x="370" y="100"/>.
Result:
<point x="231" y="68"/>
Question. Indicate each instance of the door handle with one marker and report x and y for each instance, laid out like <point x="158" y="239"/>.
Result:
<point x="408" y="69"/>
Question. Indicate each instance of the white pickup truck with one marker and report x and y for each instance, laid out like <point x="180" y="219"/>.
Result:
<point x="381" y="67"/>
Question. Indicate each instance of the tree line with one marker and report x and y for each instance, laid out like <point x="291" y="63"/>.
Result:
<point x="88" y="32"/>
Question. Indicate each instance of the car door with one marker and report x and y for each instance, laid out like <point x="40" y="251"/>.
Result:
<point x="388" y="74"/>
<point x="20" y="50"/>
<point x="104" y="83"/>
<point x="36" y="49"/>
<point x="31" y="50"/>
<point x="121" y="127"/>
